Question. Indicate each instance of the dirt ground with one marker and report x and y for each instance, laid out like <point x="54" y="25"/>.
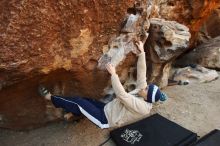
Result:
<point x="195" y="107"/>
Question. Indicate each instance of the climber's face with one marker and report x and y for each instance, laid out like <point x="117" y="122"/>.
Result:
<point x="143" y="93"/>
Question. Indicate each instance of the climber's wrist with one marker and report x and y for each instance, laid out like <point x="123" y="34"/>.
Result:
<point x="141" y="53"/>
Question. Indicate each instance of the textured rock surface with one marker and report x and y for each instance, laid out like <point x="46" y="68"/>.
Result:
<point x="59" y="43"/>
<point x="38" y="37"/>
<point x="192" y="13"/>
<point x="167" y="40"/>
<point x="212" y="24"/>
<point x="134" y="28"/>
<point x="195" y="74"/>
<point x="210" y="29"/>
<point x="63" y="39"/>
<point x="207" y="55"/>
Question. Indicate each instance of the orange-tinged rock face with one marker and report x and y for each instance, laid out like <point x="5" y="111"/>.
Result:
<point x="59" y="44"/>
<point x="192" y="13"/>
<point x="201" y="14"/>
<point x="39" y="38"/>
<point x="212" y="24"/>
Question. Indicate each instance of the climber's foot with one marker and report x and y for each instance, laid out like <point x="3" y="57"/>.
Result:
<point x="44" y="92"/>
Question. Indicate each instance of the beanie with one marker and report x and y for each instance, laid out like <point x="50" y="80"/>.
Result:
<point x="154" y="94"/>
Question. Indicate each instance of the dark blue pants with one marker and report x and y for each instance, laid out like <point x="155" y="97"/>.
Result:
<point x="92" y="109"/>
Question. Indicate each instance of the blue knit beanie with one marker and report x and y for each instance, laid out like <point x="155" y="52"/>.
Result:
<point x="154" y="94"/>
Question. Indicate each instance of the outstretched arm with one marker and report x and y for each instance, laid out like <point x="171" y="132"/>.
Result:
<point x="141" y="67"/>
<point x="117" y="86"/>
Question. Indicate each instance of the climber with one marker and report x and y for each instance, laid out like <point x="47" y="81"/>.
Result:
<point x="124" y="109"/>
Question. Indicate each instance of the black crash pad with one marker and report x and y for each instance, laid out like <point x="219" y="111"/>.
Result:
<point x="153" y="131"/>
<point x="211" y="139"/>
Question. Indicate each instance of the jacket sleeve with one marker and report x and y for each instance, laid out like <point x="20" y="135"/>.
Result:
<point x="130" y="101"/>
<point x="141" y="71"/>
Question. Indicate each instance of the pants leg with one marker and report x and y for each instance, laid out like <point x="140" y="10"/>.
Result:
<point x="96" y="103"/>
<point x="92" y="109"/>
<point x="61" y="102"/>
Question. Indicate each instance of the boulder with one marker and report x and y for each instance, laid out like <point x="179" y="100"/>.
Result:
<point x="134" y="28"/>
<point x="210" y="27"/>
<point x="59" y="44"/>
<point x="192" y="13"/>
<point x="207" y="55"/>
<point x="194" y="74"/>
<point x="212" y="24"/>
<point x="56" y="44"/>
<point x="166" y="41"/>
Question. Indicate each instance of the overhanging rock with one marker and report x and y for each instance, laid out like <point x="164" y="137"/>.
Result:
<point x="166" y="41"/>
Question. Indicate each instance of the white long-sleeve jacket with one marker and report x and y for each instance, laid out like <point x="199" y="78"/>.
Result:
<point x="127" y="107"/>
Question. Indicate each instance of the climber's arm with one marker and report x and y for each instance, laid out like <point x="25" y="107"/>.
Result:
<point x="141" y="67"/>
<point x="117" y="87"/>
<point x="130" y="101"/>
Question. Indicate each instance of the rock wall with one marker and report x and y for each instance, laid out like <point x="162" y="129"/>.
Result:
<point x="59" y="43"/>
<point x="192" y="13"/>
<point x="167" y="40"/>
<point x="212" y="24"/>
<point x="55" y="43"/>
<point x="206" y="54"/>
<point x="38" y="37"/>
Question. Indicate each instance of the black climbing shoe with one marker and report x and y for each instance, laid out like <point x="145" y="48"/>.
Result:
<point x="43" y="91"/>
<point x="183" y="82"/>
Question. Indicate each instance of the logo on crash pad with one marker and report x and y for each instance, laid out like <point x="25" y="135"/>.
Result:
<point x="131" y="136"/>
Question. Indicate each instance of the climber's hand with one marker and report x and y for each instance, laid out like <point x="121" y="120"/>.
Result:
<point x="110" y="68"/>
<point x="68" y="116"/>
<point x="140" y="46"/>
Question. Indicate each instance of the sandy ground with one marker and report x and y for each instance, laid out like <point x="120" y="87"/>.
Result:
<point x="195" y="107"/>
